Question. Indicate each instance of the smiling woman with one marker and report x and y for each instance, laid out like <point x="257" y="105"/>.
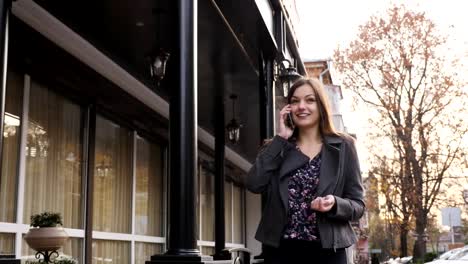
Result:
<point x="311" y="177"/>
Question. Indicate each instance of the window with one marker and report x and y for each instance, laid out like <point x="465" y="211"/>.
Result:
<point x="7" y="244"/>
<point x="233" y="209"/>
<point x="207" y="211"/>
<point x="237" y="215"/>
<point x="149" y="214"/>
<point x="128" y="174"/>
<point x="10" y="154"/>
<point x="53" y="157"/>
<point x="144" y="251"/>
<point x="228" y="210"/>
<point x="115" y="252"/>
<point x="234" y="213"/>
<point x="128" y="178"/>
<point x="112" y="178"/>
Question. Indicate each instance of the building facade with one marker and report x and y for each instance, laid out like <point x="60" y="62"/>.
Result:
<point x="133" y="155"/>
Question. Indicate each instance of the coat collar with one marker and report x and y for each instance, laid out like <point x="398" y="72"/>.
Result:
<point x="295" y="159"/>
<point x="333" y="140"/>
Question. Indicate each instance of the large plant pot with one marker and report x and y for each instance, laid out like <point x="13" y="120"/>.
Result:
<point x="46" y="238"/>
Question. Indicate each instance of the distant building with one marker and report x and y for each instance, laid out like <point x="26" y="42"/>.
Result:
<point x="320" y="69"/>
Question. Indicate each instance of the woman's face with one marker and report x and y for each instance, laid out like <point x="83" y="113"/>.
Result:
<point x="304" y="107"/>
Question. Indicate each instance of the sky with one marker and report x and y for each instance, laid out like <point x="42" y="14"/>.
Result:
<point x="327" y="24"/>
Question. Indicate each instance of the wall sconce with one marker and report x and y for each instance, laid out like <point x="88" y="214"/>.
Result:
<point x="287" y="75"/>
<point x="233" y="127"/>
<point x="157" y="63"/>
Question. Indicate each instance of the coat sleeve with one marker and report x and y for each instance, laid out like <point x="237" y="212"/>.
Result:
<point x="267" y="164"/>
<point x="350" y="206"/>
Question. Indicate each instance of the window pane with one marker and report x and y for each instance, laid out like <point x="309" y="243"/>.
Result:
<point x="149" y="189"/>
<point x="207" y="204"/>
<point x="7" y="244"/>
<point x="53" y="157"/>
<point x="73" y="249"/>
<point x="11" y="136"/>
<point x="144" y="251"/>
<point x="237" y="214"/>
<point x="115" y="252"/>
<point x="112" y="178"/>
<point x="207" y="251"/>
<point x="228" y="211"/>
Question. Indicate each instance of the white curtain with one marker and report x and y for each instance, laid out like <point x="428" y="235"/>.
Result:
<point x="149" y="189"/>
<point x="11" y="135"/>
<point x="111" y="252"/>
<point x="7" y="244"/>
<point x="207" y="204"/>
<point x="53" y="157"/>
<point x="228" y="211"/>
<point x="237" y="215"/>
<point x="112" y="193"/>
<point x="144" y="251"/>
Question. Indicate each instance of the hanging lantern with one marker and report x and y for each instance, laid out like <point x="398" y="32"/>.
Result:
<point x="233" y="127"/>
<point x="288" y="76"/>
<point x="158" y="63"/>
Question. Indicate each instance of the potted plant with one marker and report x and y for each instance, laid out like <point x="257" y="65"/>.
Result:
<point x="46" y="232"/>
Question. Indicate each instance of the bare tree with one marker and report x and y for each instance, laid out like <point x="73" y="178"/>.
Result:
<point x="397" y="67"/>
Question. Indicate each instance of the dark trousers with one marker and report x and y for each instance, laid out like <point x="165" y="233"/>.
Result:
<point x="306" y="252"/>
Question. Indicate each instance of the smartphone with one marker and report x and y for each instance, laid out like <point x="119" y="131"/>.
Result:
<point x="289" y="121"/>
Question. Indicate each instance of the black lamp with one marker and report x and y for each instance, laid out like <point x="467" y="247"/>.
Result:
<point x="233" y="127"/>
<point x="157" y="63"/>
<point x="288" y="75"/>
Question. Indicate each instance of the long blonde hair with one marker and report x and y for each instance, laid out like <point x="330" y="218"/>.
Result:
<point x="326" y="127"/>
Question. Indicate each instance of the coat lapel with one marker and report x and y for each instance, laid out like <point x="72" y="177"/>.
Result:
<point x="329" y="166"/>
<point x="292" y="161"/>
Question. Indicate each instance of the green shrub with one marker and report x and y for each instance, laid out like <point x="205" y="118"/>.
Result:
<point x="46" y="219"/>
<point x="429" y="256"/>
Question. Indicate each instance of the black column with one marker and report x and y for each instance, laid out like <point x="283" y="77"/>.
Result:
<point x="266" y="113"/>
<point x="266" y="98"/>
<point x="89" y="154"/>
<point x="269" y="106"/>
<point x="5" y="6"/>
<point x="182" y="241"/>
<point x="220" y="139"/>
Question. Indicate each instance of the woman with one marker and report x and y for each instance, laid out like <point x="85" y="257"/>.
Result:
<point x="311" y="178"/>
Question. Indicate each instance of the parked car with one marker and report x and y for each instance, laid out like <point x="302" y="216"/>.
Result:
<point x="404" y="260"/>
<point x="454" y="256"/>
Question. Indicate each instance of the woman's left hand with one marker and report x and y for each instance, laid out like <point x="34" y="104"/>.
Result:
<point x="323" y="204"/>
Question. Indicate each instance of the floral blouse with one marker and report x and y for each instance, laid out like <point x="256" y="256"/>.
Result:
<point x="302" y="186"/>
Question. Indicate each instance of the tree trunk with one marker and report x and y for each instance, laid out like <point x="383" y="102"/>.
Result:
<point x="419" y="249"/>
<point x="403" y="242"/>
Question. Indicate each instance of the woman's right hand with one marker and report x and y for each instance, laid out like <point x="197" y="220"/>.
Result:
<point x="283" y="130"/>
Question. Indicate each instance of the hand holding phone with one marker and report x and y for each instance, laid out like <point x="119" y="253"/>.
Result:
<point x="289" y="121"/>
<point x="286" y="124"/>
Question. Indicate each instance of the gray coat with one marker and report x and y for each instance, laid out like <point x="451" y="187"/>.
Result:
<point x="339" y="175"/>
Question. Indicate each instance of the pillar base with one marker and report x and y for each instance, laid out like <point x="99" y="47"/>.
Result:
<point x="175" y="259"/>
<point x="223" y="255"/>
